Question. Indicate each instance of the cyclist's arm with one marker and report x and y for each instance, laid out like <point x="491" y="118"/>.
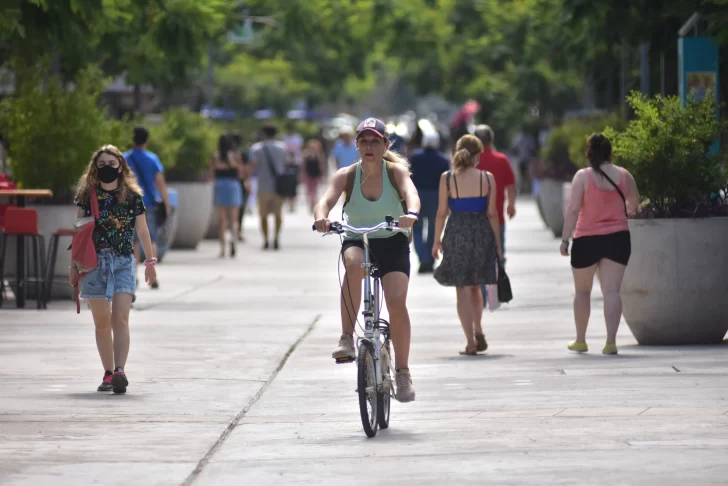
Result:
<point x="332" y="195"/>
<point x="407" y="188"/>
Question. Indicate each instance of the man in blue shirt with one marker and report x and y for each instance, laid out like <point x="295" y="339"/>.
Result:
<point x="427" y="166"/>
<point x="150" y="174"/>
<point x="345" y="152"/>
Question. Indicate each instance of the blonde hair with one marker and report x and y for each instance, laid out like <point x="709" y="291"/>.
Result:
<point x="90" y="178"/>
<point x="467" y="151"/>
<point x="395" y="158"/>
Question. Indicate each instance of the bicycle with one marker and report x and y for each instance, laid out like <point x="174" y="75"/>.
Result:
<point x="374" y="364"/>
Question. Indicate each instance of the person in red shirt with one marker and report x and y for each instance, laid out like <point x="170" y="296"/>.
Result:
<point x="505" y="182"/>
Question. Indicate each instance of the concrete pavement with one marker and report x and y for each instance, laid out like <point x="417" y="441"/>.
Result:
<point x="232" y="383"/>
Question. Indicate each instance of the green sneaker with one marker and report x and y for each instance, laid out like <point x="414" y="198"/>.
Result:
<point x="610" y="349"/>
<point x="578" y="347"/>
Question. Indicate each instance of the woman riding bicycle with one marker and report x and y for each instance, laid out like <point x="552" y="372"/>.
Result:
<point x="372" y="197"/>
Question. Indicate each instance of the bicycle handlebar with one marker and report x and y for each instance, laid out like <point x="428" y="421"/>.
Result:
<point x="338" y="228"/>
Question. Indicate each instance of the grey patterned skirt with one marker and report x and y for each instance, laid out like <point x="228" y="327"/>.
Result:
<point x="469" y="255"/>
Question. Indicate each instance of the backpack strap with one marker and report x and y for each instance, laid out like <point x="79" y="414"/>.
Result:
<point x="393" y="181"/>
<point x="350" y="178"/>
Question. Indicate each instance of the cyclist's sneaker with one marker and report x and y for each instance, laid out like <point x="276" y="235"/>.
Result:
<point x="345" y="349"/>
<point x="405" y="390"/>
<point x="106" y="383"/>
<point x="119" y="381"/>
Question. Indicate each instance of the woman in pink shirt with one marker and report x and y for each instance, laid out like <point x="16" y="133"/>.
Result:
<point x="601" y="197"/>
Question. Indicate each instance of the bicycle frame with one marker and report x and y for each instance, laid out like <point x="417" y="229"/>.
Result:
<point x="371" y="313"/>
<point x="372" y="330"/>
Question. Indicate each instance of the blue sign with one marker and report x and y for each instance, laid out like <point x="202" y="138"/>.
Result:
<point x="698" y="71"/>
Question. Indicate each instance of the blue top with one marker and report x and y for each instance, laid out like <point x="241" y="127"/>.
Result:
<point x="146" y="166"/>
<point x="477" y="204"/>
<point x="345" y="155"/>
<point x="427" y="166"/>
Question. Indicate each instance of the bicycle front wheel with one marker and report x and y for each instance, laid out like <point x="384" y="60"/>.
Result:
<point x="367" y="388"/>
<point x="384" y="398"/>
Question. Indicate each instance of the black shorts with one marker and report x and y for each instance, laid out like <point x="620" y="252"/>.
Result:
<point x="389" y="254"/>
<point x="588" y="250"/>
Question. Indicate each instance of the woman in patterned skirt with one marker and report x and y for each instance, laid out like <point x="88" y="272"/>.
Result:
<point x="470" y="249"/>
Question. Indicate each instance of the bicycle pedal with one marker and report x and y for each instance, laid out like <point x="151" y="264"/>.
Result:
<point x="344" y="360"/>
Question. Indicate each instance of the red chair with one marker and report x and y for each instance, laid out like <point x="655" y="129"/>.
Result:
<point x="50" y="276"/>
<point x="23" y="223"/>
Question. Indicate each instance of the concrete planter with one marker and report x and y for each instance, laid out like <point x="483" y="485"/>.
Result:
<point x="673" y="290"/>
<point x="212" y="228"/>
<point x="565" y="197"/>
<point x="50" y="219"/>
<point x="552" y="200"/>
<point x="195" y="208"/>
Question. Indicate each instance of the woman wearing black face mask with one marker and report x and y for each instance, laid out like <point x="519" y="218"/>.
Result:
<point x="110" y="287"/>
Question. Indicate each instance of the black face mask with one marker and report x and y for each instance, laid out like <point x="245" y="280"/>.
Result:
<point x="108" y="174"/>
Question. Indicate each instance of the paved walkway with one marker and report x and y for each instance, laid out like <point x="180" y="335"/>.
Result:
<point x="232" y="383"/>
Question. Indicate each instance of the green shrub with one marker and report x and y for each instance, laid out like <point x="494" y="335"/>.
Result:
<point x="568" y="141"/>
<point x="667" y="150"/>
<point x="581" y="129"/>
<point x="184" y="142"/>
<point x="52" y="131"/>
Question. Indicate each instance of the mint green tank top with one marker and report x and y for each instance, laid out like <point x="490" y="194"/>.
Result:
<point x="361" y="212"/>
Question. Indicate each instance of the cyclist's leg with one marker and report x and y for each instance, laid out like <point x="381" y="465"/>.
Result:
<point x="351" y="288"/>
<point x="350" y="299"/>
<point x="395" y="294"/>
<point x="395" y="285"/>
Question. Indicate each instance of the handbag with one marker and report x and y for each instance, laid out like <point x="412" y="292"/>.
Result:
<point x="286" y="181"/>
<point x="160" y="210"/>
<point x="504" y="285"/>
<point x="83" y="250"/>
<point x="621" y="194"/>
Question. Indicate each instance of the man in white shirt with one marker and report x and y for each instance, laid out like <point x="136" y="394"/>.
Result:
<point x="294" y="146"/>
<point x="269" y="158"/>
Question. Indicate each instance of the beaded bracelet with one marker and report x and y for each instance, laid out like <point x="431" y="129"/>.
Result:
<point x="150" y="262"/>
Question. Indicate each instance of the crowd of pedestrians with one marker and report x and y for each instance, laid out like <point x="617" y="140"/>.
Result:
<point x="452" y="204"/>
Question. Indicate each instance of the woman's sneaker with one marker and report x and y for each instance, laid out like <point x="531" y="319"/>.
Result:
<point x="345" y="350"/>
<point x="105" y="385"/>
<point x="405" y="390"/>
<point x="119" y="381"/>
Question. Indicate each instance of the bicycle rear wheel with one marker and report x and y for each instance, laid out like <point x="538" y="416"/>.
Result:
<point x="367" y="388"/>
<point x="384" y="398"/>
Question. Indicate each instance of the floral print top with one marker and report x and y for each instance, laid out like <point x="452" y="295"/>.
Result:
<point x="117" y="219"/>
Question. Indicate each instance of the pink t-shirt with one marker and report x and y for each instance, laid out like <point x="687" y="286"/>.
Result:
<point x="602" y="210"/>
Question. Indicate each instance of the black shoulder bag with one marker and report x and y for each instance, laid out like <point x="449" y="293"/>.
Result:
<point x="287" y="181"/>
<point x="160" y="210"/>
<point x="621" y="194"/>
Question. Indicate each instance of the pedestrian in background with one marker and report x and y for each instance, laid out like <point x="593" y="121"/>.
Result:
<point x="149" y="173"/>
<point x="497" y="164"/>
<point x="601" y="197"/>
<point x="427" y="165"/>
<point x="227" y="166"/>
<point x="470" y="248"/>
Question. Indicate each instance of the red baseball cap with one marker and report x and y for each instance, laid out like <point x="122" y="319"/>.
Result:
<point x="372" y="125"/>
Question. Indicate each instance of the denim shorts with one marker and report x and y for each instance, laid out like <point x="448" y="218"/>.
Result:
<point x="114" y="274"/>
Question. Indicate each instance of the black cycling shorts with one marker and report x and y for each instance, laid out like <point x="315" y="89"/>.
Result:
<point x="588" y="250"/>
<point x="389" y="254"/>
